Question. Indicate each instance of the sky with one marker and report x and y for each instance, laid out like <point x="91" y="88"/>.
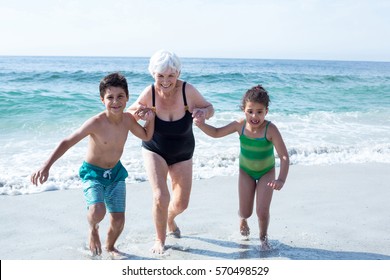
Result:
<point x="264" y="29"/>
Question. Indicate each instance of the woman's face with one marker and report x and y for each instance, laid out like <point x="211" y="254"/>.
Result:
<point x="166" y="81"/>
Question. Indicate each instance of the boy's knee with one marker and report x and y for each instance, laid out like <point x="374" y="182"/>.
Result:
<point x="118" y="220"/>
<point x="97" y="211"/>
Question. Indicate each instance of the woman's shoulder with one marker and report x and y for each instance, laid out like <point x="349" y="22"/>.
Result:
<point x="188" y="86"/>
<point x="191" y="91"/>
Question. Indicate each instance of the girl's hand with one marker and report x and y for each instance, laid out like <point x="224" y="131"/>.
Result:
<point x="199" y="119"/>
<point x="199" y="113"/>
<point x="276" y="184"/>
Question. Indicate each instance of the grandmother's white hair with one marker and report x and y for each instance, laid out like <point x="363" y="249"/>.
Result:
<point x="163" y="60"/>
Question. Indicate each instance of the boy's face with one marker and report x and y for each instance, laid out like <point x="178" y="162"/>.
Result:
<point x="115" y="100"/>
<point x="255" y="113"/>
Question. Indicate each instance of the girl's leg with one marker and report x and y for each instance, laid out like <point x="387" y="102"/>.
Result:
<point x="181" y="176"/>
<point x="263" y="203"/>
<point x="157" y="170"/>
<point x="246" y="194"/>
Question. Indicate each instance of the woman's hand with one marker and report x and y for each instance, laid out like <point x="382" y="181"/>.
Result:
<point x="144" y="113"/>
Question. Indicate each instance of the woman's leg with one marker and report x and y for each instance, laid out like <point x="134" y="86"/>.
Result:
<point x="157" y="170"/>
<point x="181" y="176"/>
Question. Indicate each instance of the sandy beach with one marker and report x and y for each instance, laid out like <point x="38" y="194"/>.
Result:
<point x="337" y="212"/>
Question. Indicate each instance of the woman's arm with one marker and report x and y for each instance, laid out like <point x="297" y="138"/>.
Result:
<point x="197" y="103"/>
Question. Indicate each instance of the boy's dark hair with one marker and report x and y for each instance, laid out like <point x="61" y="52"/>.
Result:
<point x="256" y="94"/>
<point x="113" y="80"/>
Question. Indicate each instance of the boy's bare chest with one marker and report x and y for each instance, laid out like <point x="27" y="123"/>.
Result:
<point x="112" y="136"/>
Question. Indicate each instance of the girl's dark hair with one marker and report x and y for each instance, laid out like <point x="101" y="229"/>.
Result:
<point x="113" y="80"/>
<point x="256" y="94"/>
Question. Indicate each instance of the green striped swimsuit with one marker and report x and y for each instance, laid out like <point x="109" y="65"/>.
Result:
<point x="256" y="155"/>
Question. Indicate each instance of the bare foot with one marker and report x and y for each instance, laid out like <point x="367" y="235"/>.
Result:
<point x="94" y="241"/>
<point x="172" y="226"/>
<point x="264" y="244"/>
<point x="175" y="234"/>
<point x="114" y="252"/>
<point x="158" y="248"/>
<point x="244" y="228"/>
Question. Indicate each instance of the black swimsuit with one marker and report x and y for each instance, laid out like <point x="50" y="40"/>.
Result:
<point x="172" y="140"/>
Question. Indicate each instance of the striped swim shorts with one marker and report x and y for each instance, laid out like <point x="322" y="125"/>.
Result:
<point x="104" y="186"/>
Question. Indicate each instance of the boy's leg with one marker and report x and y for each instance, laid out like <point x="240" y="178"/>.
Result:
<point x="93" y="194"/>
<point x="95" y="215"/>
<point x="117" y="222"/>
<point x="263" y="203"/>
<point x="115" y="198"/>
<point x="246" y="194"/>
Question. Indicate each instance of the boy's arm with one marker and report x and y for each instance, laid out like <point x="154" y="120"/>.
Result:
<point x="145" y="132"/>
<point x="281" y="149"/>
<point x="41" y="175"/>
<point x="139" y="107"/>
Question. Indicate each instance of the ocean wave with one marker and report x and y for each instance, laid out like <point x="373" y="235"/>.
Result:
<point x="207" y="163"/>
<point x="63" y="76"/>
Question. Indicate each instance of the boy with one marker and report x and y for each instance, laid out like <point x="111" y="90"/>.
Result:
<point x="102" y="172"/>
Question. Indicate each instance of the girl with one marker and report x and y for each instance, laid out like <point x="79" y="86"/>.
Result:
<point x="258" y="137"/>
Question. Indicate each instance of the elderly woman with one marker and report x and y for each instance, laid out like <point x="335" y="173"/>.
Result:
<point x="170" y="151"/>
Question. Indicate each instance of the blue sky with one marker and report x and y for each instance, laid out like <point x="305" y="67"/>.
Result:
<point x="277" y="29"/>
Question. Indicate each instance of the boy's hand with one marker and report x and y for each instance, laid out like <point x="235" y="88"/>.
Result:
<point x="144" y="113"/>
<point x="40" y="176"/>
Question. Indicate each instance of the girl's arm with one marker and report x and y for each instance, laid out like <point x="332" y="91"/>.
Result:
<point x="218" y="132"/>
<point x="281" y="149"/>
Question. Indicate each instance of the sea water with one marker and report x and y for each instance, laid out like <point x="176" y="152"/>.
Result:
<point x="328" y="112"/>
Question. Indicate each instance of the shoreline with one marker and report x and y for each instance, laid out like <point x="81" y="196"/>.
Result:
<point x="335" y="212"/>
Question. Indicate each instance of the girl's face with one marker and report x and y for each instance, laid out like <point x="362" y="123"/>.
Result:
<point x="255" y="113"/>
<point x="166" y="81"/>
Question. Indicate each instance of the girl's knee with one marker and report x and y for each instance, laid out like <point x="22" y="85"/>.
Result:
<point x="245" y="214"/>
<point x="262" y="214"/>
